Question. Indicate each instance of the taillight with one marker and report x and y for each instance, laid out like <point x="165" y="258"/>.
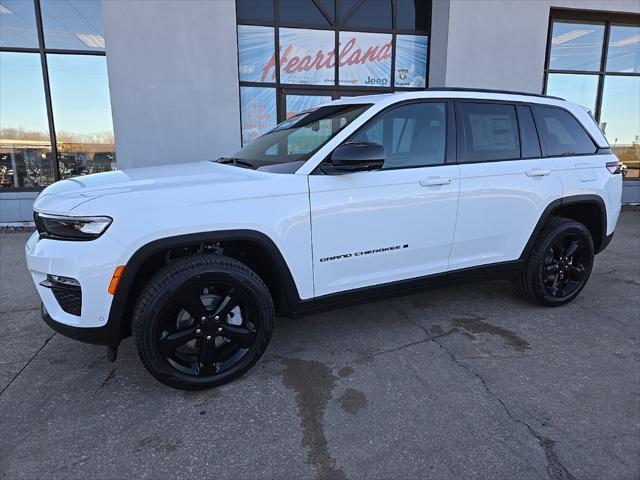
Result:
<point x="614" y="167"/>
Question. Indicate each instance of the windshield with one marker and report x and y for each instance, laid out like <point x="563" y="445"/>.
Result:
<point x="297" y="138"/>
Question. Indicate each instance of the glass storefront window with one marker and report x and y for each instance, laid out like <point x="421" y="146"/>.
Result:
<point x="620" y="120"/>
<point x="576" y="46"/>
<point x="18" y="24"/>
<point x="301" y="11"/>
<point x="72" y="24"/>
<point x="613" y="93"/>
<point x="412" y="15"/>
<point x="623" y="54"/>
<point x="365" y="59"/>
<point x="371" y="14"/>
<point x="313" y="65"/>
<point x="307" y="57"/>
<point x="82" y="114"/>
<point x="411" y="61"/>
<point x="257" y="111"/>
<point x="256" y="53"/>
<point x="255" y="10"/>
<point x="25" y="148"/>
<point x="580" y="89"/>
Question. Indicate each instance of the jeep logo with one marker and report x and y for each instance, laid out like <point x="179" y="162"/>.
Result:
<point x="375" y="81"/>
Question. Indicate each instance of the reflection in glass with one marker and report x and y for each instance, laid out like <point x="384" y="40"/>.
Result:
<point x="257" y="112"/>
<point x="620" y="120"/>
<point x="372" y="14"/>
<point x="18" y="24"/>
<point x="261" y="10"/>
<point x="576" y="46"/>
<point x="82" y="114"/>
<point x="72" y="24"/>
<point x="301" y="11"/>
<point x="300" y="103"/>
<point x="25" y="147"/>
<point x="256" y="53"/>
<point x="412" y="14"/>
<point x="624" y="49"/>
<point x="580" y="89"/>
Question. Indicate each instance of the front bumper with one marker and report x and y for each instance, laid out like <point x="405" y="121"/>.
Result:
<point x="92" y="264"/>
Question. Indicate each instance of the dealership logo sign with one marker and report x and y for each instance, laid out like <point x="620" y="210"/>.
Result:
<point x="349" y="54"/>
<point x="402" y="73"/>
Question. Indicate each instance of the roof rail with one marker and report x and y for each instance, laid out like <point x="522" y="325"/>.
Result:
<point x="487" y="90"/>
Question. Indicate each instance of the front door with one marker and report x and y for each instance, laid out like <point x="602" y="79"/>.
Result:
<point x="371" y="228"/>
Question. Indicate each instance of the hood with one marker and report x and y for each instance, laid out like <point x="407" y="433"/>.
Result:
<point x="63" y="196"/>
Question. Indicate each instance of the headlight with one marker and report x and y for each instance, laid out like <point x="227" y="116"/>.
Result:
<point x="70" y="228"/>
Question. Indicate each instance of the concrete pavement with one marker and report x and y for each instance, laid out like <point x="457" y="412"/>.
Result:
<point x="462" y="382"/>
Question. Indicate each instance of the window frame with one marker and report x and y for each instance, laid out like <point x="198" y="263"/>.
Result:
<point x="336" y="25"/>
<point x="450" y="133"/>
<point x="43" y="51"/>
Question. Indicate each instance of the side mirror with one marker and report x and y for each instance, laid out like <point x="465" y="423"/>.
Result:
<point x="355" y="157"/>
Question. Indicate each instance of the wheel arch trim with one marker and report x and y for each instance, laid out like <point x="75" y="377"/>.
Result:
<point x="563" y="202"/>
<point x="145" y="252"/>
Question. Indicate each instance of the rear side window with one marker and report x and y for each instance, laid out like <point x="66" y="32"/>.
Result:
<point x="561" y="133"/>
<point x="528" y="135"/>
<point x="490" y="132"/>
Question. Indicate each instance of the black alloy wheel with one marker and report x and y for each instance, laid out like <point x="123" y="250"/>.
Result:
<point x="565" y="266"/>
<point x="203" y="322"/>
<point x="559" y="264"/>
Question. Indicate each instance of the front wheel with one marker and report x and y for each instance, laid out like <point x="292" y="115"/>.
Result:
<point x="202" y="322"/>
<point x="559" y="264"/>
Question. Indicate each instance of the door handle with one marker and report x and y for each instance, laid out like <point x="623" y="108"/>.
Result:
<point x="537" y="172"/>
<point x="435" y="181"/>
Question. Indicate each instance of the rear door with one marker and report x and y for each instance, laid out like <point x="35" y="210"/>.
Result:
<point x="376" y="227"/>
<point x="505" y="183"/>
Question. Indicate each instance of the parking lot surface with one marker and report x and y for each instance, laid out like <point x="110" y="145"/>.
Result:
<point x="463" y="382"/>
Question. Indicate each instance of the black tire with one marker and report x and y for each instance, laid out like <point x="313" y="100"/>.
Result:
<point x="559" y="264"/>
<point x="180" y="339"/>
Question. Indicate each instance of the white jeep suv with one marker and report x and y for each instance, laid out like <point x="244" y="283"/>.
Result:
<point x="360" y="197"/>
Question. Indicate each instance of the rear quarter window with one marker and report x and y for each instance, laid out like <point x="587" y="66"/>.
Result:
<point x="561" y="134"/>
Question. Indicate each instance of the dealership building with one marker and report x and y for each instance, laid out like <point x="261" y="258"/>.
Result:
<point x="88" y="86"/>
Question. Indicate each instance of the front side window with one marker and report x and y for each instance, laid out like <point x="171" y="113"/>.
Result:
<point x="561" y="134"/>
<point x="490" y="132"/>
<point x="412" y="135"/>
<point x="297" y="138"/>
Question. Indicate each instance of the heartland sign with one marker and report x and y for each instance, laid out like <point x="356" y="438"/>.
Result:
<point x="308" y="57"/>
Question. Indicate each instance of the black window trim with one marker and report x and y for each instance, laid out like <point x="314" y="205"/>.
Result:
<point x="535" y="128"/>
<point x="43" y="51"/>
<point x="450" y="132"/>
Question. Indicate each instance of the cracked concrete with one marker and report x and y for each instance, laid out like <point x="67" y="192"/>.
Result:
<point x="464" y="382"/>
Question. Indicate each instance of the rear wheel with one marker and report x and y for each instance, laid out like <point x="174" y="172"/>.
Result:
<point x="202" y="322"/>
<point x="559" y="264"/>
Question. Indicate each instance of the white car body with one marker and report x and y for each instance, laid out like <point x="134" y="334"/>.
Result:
<point x="335" y="233"/>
